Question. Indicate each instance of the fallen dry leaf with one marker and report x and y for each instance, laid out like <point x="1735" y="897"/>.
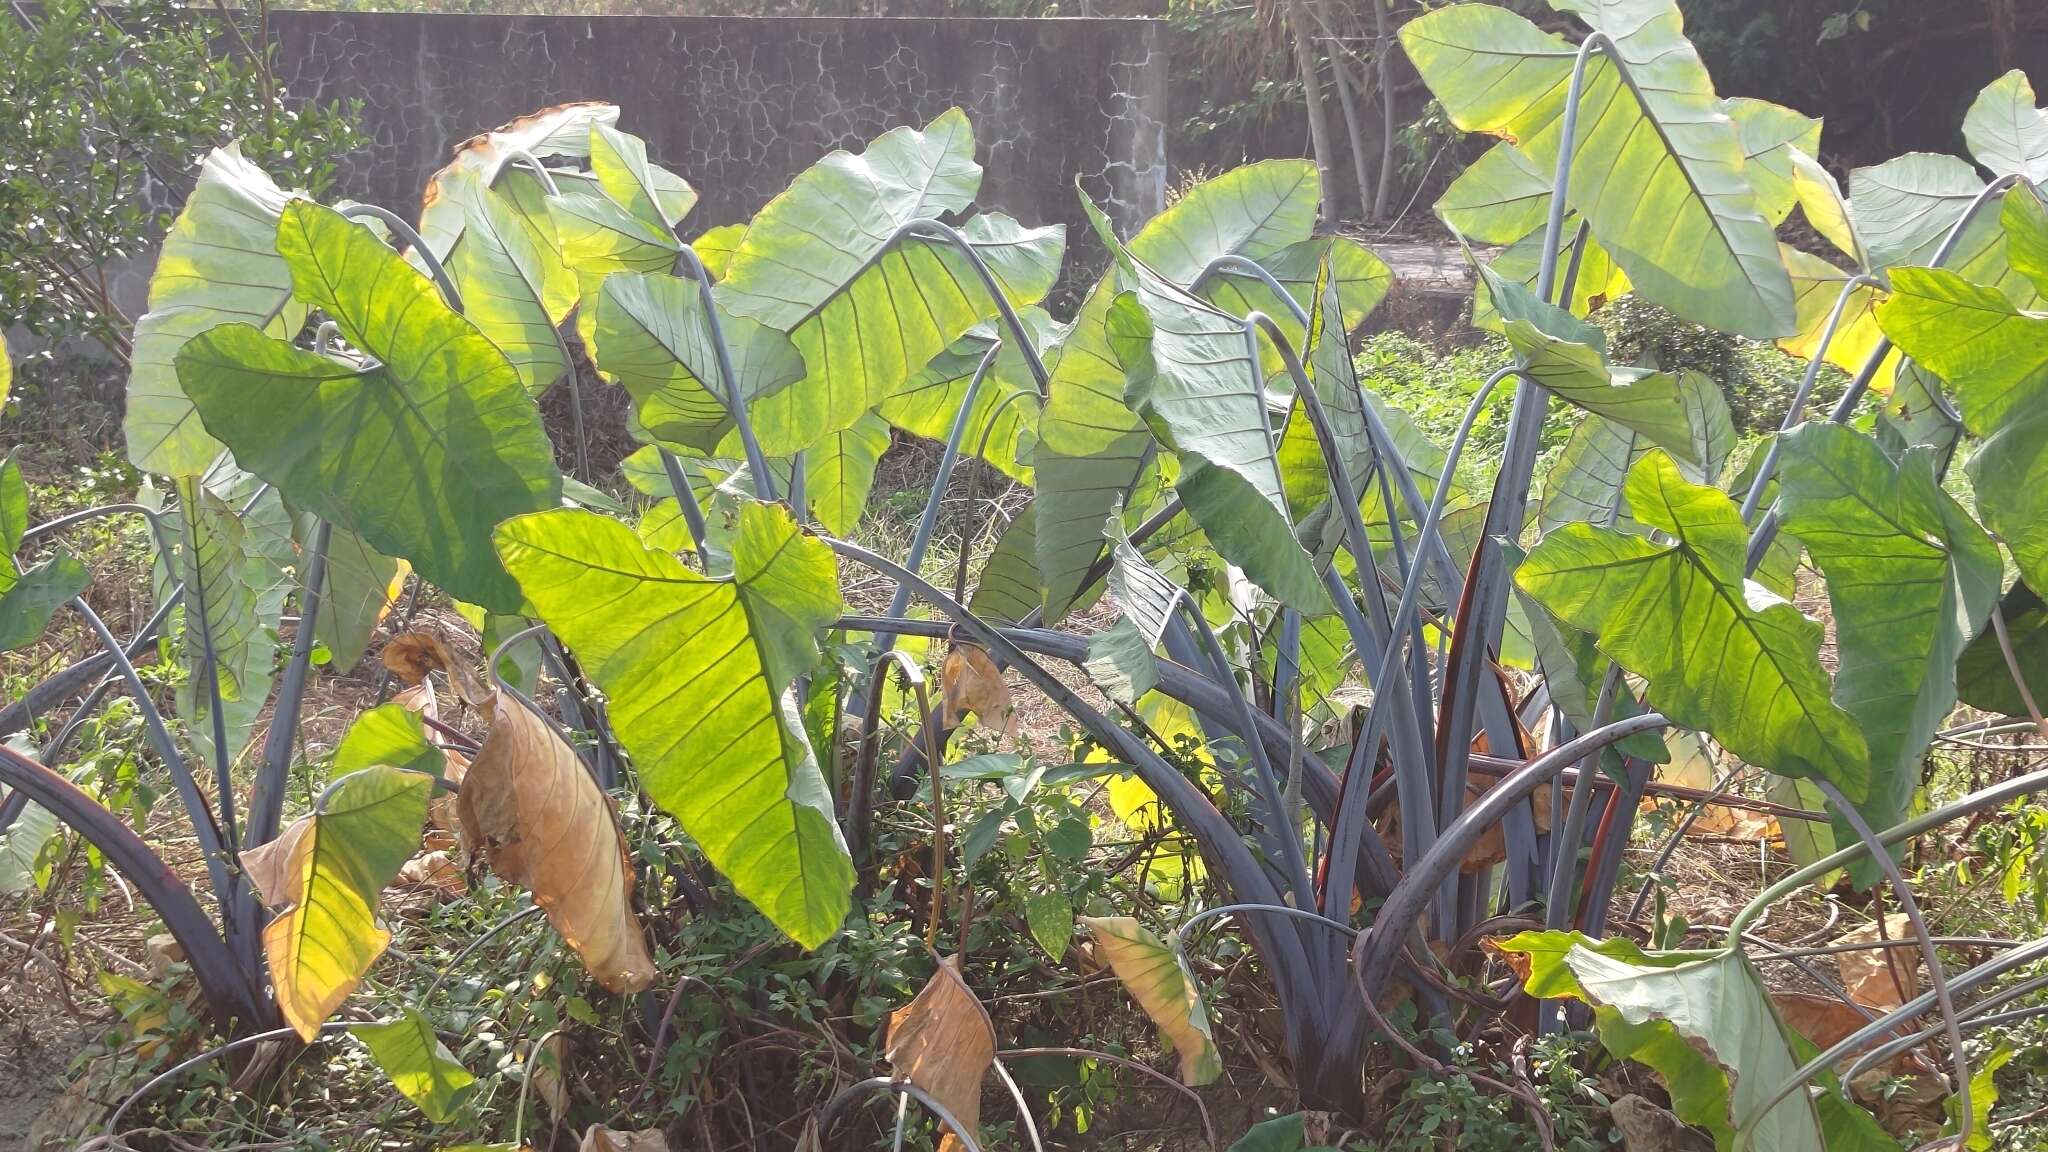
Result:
<point x="531" y="807"/>
<point x="970" y="682"/>
<point x="943" y="1042"/>
<point x="1880" y="978"/>
<point x="1825" y="1021"/>
<point x="602" y="1139"/>
<point x="436" y="870"/>
<point x="412" y="655"/>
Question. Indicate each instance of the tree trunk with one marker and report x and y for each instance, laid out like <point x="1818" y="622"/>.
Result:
<point x="1312" y="95"/>
<point x="1382" y="46"/>
<point x="1353" y="133"/>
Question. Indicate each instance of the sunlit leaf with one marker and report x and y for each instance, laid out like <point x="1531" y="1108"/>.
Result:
<point x="1910" y="578"/>
<point x="839" y="471"/>
<point x="2006" y="132"/>
<point x="1157" y="977"/>
<point x="324" y="874"/>
<point x="698" y="671"/>
<point x="1702" y="1020"/>
<point x="1652" y="607"/>
<point x="219" y="265"/>
<point x="652" y="336"/>
<point x="1658" y="168"/>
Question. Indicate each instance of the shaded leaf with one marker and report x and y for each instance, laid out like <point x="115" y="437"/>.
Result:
<point x="1120" y="661"/>
<point x="421" y="454"/>
<point x="417" y="1063"/>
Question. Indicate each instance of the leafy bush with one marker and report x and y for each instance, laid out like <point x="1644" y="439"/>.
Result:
<point x="106" y="118"/>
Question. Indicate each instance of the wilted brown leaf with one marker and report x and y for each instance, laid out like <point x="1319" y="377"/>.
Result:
<point x="419" y="698"/>
<point x="442" y="811"/>
<point x="1880" y="978"/>
<point x="943" y="1042"/>
<point x="436" y="870"/>
<point x="269" y="866"/>
<point x="1492" y="846"/>
<point x="602" y="1139"/>
<point x="531" y="807"/>
<point x="970" y="682"/>
<point x="412" y="655"/>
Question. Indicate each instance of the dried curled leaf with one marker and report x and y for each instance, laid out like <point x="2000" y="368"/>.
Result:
<point x="943" y="1042"/>
<point x="970" y="682"/>
<point x="1157" y="977"/>
<point x="1881" y="978"/>
<point x="530" y="805"/>
<point x="602" y="1139"/>
<point x="412" y="655"/>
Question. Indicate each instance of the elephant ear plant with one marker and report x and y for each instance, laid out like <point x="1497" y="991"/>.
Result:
<point x="328" y="415"/>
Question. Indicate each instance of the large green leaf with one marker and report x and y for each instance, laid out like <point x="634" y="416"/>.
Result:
<point x="417" y="1063"/>
<point x="1995" y="356"/>
<point x="1911" y="579"/>
<point x="698" y="671"/>
<point x="2005" y="131"/>
<point x="28" y="599"/>
<point x="421" y="454"/>
<point x="840" y="469"/>
<point x="1190" y="373"/>
<point x="1719" y="653"/>
<point x="513" y="285"/>
<point x="1004" y="424"/>
<point x="1771" y="134"/>
<point x="219" y="265"/>
<point x="1586" y="482"/>
<point x="653" y="337"/>
<point x="1091" y="447"/>
<point x="1569" y="356"/>
<point x="1703" y="1020"/>
<point x="324" y="874"/>
<point x="823" y="262"/>
<point x="1657" y="169"/>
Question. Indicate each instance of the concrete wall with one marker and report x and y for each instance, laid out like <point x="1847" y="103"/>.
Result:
<point x="738" y="106"/>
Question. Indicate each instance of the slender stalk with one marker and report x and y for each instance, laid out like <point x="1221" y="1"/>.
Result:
<point x="1241" y="871"/>
<point x="211" y="1054"/>
<point x="266" y="796"/>
<point x="1955" y="810"/>
<point x="1378" y="946"/>
<point x="828" y="1116"/>
<point x="686" y="499"/>
<point x="212" y="847"/>
<point x="2012" y="667"/>
<point x="1568" y="839"/>
<point x="757" y="464"/>
<point x="1795" y="412"/>
<point x="929" y="521"/>
<point x="411" y="236"/>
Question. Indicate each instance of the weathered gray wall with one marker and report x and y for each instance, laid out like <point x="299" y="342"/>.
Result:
<point x="738" y="106"/>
